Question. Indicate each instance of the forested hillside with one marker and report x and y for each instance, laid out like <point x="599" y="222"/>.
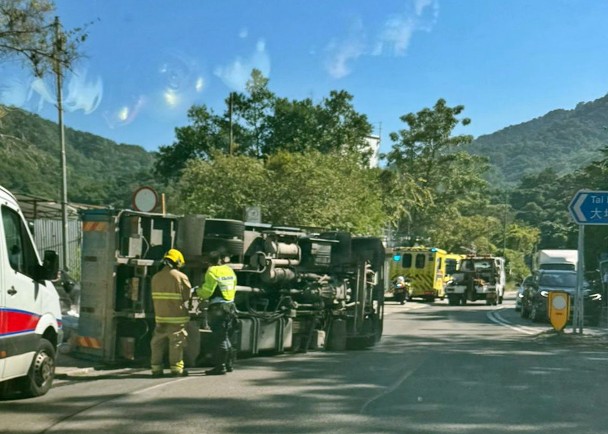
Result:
<point x="100" y="171"/>
<point x="564" y="140"/>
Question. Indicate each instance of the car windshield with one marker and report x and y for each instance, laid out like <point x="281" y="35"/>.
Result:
<point x="562" y="280"/>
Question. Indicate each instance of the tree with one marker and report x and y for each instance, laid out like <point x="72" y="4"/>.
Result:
<point x="253" y="112"/>
<point x="204" y="137"/>
<point x="27" y="32"/>
<point x="299" y="189"/>
<point x="428" y="152"/>
<point x="259" y="124"/>
<point x="332" y="125"/>
<point x="222" y="186"/>
<point x="330" y="190"/>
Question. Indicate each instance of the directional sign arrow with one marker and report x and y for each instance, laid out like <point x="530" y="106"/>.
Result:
<point x="589" y="207"/>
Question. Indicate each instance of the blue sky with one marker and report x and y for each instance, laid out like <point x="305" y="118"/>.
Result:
<point x="147" y="62"/>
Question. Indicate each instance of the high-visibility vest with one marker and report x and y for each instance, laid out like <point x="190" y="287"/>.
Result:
<point x="220" y="280"/>
<point x="170" y="291"/>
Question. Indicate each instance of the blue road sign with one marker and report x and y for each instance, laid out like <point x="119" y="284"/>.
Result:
<point x="589" y="207"/>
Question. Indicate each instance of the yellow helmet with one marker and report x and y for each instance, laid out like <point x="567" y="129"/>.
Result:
<point x="176" y="257"/>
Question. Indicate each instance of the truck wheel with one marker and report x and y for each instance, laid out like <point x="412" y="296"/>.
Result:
<point x="40" y="376"/>
<point x="227" y="229"/>
<point x="463" y="300"/>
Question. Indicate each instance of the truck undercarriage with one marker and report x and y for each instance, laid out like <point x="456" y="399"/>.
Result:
<point x="297" y="289"/>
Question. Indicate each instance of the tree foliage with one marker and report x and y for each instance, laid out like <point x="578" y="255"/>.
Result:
<point x="565" y="140"/>
<point x="29" y="32"/>
<point x="302" y="189"/>
<point x="100" y="171"/>
<point x="430" y="154"/>
<point x="258" y="124"/>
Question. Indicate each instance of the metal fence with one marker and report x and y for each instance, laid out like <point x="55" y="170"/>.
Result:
<point x="47" y="234"/>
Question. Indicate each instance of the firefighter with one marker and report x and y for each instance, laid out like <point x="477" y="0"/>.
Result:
<point x="219" y="288"/>
<point x="170" y="291"/>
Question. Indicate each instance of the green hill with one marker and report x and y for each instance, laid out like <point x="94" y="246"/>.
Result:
<point x="100" y="171"/>
<point x="562" y="139"/>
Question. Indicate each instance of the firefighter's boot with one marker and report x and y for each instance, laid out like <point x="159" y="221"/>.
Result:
<point x="220" y="363"/>
<point x="230" y="360"/>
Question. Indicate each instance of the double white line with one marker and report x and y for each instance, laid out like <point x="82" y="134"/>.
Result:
<point x="495" y="317"/>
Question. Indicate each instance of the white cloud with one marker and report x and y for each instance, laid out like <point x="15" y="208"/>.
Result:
<point x="343" y="52"/>
<point x="236" y="74"/>
<point x="243" y="33"/>
<point x="421" y="5"/>
<point x="397" y="33"/>
<point x="398" y="29"/>
<point x="393" y="37"/>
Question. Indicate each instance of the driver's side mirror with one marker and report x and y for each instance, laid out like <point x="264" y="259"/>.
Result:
<point x="50" y="266"/>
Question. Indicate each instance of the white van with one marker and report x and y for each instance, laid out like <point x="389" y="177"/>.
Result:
<point x="30" y="312"/>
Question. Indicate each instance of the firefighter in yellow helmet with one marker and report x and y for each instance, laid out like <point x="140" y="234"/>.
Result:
<point x="171" y="291"/>
<point x="220" y="288"/>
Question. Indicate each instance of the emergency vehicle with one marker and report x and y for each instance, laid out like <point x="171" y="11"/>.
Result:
<point x="30" y="311"/>
<point x="428" y="269"/>
<point x="479" y="277"/>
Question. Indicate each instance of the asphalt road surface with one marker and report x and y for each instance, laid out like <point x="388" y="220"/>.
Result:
<point x="438" y="369"/>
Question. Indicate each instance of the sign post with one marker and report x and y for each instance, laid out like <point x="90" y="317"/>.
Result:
<point x="586" y="208"/>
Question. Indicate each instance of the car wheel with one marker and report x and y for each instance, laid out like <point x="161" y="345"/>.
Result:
<point x="534" y="314"/>
<point x="42" y="371"/>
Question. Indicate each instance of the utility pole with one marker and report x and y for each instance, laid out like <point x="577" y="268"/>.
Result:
<point x="58" y="51"/>
<point x="504" y="226"/>
<point x="230" y="137"/>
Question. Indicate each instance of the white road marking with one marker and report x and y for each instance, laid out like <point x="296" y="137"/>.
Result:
<point x="495" y="317"/>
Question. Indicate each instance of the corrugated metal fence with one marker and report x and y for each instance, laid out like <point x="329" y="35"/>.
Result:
<point x="47" y="234"/>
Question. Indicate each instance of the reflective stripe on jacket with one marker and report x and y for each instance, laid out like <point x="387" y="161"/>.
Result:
<point x="170" y="291"/>
<point x="219" y="277"/>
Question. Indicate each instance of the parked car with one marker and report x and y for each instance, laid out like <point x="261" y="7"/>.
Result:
<point x="536" y="292"/>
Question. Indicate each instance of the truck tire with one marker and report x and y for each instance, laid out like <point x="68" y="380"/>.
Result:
<point x="42" y="371"/>
<point x="221" y="228"/>
<point x="453" y="300"/>
<point x="463" y="299"/>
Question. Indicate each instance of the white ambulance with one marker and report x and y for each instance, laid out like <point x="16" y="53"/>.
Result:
<point x="30" y="312"/>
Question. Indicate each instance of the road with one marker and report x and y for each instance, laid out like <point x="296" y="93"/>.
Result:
<point x="438" y="369"/>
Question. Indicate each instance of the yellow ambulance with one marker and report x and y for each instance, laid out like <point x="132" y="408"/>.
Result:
<point x="428" y="269"/>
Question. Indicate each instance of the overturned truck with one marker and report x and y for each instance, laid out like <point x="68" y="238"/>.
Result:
<point x="297" y="289"/>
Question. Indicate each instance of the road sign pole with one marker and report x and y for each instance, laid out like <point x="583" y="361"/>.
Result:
<point x="579" y="308"/>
